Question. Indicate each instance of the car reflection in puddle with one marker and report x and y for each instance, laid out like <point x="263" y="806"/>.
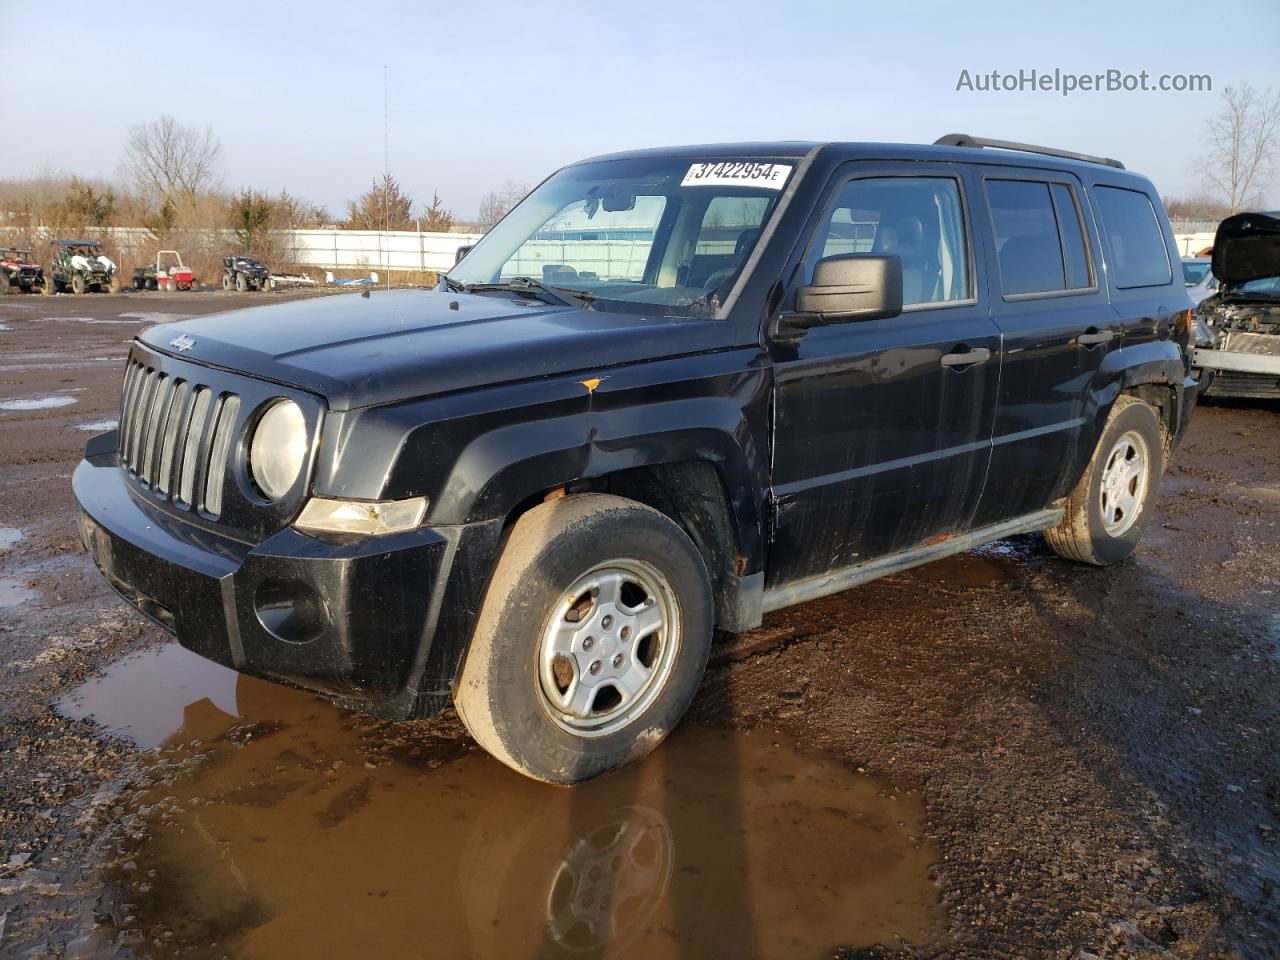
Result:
<point x="305" y="830"/>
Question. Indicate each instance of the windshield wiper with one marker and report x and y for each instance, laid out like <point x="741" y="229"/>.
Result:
<point x="563" y="295"/>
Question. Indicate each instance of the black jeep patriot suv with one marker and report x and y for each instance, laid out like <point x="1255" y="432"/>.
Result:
<point x="672" y="391"/>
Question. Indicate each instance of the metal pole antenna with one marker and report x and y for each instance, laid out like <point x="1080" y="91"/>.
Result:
<point x="386" y="174"/>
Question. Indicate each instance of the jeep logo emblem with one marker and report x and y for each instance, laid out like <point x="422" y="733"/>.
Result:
<point x="182" y="344"/>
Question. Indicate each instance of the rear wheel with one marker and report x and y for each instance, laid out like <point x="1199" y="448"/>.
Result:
<point x="591" y="641"/>
<point x="77" y="284"/>
<point x="241" y="283"/>
<point x="50" y="285"/>
<point x="226" y="281"/>
<point x="1110" y="508"/>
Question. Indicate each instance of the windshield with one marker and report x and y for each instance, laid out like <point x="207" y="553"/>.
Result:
<point x="1266" y="287"/>
<point x="637" y="235"/>
<point x="1193" y="272"/>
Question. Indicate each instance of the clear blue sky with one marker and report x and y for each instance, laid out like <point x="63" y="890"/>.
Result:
<point x="484" y="92"/>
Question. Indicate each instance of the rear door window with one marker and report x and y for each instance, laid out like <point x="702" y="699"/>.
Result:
<point x="1135" y="240"/>
<point x="1040" y="242"/>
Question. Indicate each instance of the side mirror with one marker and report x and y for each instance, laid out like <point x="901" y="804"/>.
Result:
<point x="851" y="286"/>
<point x="461" y="252"/>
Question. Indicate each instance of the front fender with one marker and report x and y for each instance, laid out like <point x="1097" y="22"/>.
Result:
<point x="479" y="454"/>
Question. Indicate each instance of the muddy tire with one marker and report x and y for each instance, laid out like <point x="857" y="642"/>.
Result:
<point x="1110" y="508"/>
<point x="77" y="284"/>
<point x="591" y="641"/>
<point x="50" y="286"/>
<point x="226" y="281"/>
<point x="241" y="283"/>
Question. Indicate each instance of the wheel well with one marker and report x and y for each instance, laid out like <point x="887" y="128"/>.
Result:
<point x="1163" y="399"/>
<point x="693" y="495"/>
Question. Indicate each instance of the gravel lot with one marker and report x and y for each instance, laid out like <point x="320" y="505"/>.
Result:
<point x="997" y="755"/>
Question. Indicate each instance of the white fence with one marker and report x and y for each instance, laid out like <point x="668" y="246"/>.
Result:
<point x="328" y="249"/>
<point x="1189" y="244"/>
<point x="375" y="250"/>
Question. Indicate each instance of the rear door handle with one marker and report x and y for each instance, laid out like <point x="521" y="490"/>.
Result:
<point x="966" y="359"/>
<point x="1094" y="335"/>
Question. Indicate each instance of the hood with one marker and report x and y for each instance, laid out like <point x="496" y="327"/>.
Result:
<point x="1247" y="247"/>
<point x="358" y="350"/>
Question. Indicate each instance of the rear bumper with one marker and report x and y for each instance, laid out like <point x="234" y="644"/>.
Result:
<point x="379" y="623"/>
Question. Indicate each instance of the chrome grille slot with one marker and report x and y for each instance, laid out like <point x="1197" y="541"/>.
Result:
<point x="224" y="425"/>
<point x="176" y="409"/>
<point x="160" y="397"/>
<point x="126" y="401"/>
<point x="138" y="417"/>
<point x="191" y="445"/>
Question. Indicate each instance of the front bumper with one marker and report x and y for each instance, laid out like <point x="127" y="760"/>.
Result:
<point x="1238" y="374"/>
<point x="378" y="623"/>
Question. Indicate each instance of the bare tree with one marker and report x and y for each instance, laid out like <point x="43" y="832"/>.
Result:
<point x="498" y="203"/>
<point x="170" y="160"/>
<point x="1240" y="142"/>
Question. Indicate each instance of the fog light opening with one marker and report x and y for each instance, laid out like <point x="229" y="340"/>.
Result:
<point x="290" y="610"/>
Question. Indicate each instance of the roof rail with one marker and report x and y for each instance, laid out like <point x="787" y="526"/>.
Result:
<point x="964" y="140"/>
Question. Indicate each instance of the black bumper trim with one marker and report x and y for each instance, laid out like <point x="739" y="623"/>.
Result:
<point x="397" y="610"/>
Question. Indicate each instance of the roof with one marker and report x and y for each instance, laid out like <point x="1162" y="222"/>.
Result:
<point x="859" y="150"/>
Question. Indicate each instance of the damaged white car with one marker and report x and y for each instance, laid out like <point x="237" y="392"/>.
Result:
<point x="1243" y="317"/>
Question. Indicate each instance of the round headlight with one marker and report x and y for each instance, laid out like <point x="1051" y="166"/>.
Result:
<point x="279" y="449"/>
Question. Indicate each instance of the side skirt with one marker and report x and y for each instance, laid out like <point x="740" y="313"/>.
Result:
<point x="838" y="580"/>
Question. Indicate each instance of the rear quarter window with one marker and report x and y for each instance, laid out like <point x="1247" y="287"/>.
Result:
<point x="1134" y="238"/>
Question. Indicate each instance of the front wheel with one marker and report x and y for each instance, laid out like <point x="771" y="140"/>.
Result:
<point x="592" y="639"/>
<point x="77" y="284"/>
<point x="1111" y="506"/>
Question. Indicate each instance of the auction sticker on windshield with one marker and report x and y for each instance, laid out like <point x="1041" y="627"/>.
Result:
<point x="737" y="173"/>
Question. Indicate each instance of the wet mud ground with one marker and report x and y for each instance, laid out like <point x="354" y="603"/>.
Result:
<point x="998" y="755"/>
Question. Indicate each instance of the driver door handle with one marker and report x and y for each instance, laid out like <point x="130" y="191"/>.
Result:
<point x="1094" y="335"/>
<point x="967" y="358"/>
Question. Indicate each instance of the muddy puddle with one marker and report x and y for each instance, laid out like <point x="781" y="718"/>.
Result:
<point x="297" y="829"/>
<point x="98" y="426"/>
<point x="37" y="403"/>
<point x="14" y="593"/>
<point x="9" y="536"/>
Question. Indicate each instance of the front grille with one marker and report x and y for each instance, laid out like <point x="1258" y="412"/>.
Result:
<point x="175" y="436"/>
